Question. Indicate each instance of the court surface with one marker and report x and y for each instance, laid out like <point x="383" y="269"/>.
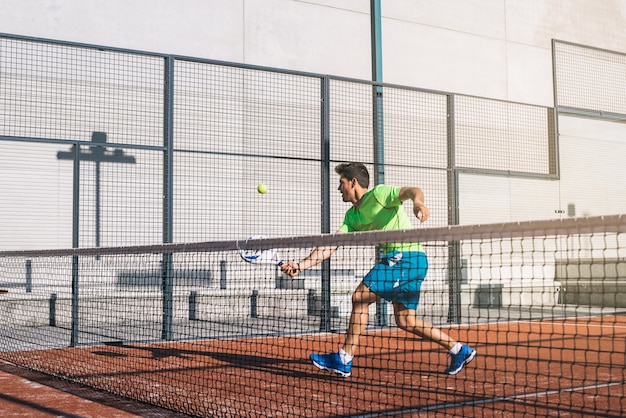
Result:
<point x="568" y="367"/>
<point x="25" y="393"/>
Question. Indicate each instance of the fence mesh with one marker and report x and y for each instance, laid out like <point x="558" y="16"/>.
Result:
<point x="589" y="78"/>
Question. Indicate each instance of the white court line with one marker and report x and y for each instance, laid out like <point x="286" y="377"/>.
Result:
<point x="487" y="401"/>
<point x="569" y="321"/>
<point x="573" y="323"/>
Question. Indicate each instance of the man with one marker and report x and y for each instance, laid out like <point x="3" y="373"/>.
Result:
<point x="397" y="277"/>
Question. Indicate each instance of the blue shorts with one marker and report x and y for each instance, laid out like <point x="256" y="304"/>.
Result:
<point x="398" y="277"/>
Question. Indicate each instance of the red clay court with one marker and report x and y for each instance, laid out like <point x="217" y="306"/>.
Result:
<point x="534" y="368"/>
<point x="26" y="393"/>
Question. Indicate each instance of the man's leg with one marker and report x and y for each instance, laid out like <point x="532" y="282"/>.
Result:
<point x="341" y="362"/>
<point x="460" y="354"/>
<point x="362" y="298"/>
<point x="407" y="320"/>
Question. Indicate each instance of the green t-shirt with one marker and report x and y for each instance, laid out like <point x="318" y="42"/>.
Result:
<point x="380" y="209"/>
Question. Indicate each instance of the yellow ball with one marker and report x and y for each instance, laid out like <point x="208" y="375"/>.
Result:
<point x="261" y="188"/>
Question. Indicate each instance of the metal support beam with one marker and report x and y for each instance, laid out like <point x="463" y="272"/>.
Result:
<point x="75" y="226"/>
<point x="378" y="122"/>
<point x="168" y="201"/>
<point x="454" y="247"/>
<point x="325" y="314"/>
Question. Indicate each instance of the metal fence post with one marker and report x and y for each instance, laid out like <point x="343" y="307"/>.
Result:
<point x="325" y="322"/>
<point x="454" y="248"/>
<point x="168" y="199"/>
<point x="75" y="244"/>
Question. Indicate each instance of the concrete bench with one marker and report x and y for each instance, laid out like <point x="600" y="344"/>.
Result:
<point x="592" y="282"/>
<point x="153" y="278"/>
<point x="54" y="309"/>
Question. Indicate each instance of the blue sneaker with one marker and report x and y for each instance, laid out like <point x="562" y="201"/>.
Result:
<point x="332" y="362"/>
<point x="465" y="356"/>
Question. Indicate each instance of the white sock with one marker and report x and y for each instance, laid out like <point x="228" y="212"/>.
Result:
<point x="455" y="350"/>
<point x="345" y="357"/>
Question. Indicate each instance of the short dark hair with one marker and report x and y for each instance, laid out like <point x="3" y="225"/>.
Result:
<point x="356" y="171"/>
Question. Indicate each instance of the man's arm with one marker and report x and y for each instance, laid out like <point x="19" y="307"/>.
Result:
<point x="416" y="195"/>
<point x="318" y="255"/>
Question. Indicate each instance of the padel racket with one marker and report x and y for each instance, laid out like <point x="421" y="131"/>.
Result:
<point x="261" y="256"/>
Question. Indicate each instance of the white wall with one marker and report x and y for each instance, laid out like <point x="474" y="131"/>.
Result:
<point x="278" y="33"/>
<point x="490" y="48"/>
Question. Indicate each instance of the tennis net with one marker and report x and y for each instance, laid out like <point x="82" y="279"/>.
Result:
<point x="195" y="328"/>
